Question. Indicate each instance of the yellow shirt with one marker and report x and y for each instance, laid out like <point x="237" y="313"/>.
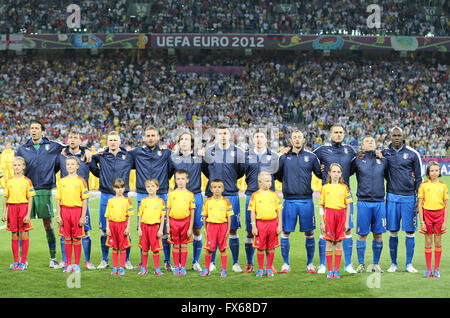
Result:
<point x="180" y="203"/>
<point x="217" y="211"/>
<point x="18" y="190"/>
<point x="265" y="204"/>
<point x="119" y="209"/>
<point x="151" y="210"/>
<point x="72" y="191"/>
<point x="335" y="196"/>
<point x="433" y="195"/>
<point x="7" y="157"/>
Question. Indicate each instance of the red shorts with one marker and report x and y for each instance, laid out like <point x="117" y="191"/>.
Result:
<point x="178" y="231"/>
<point x="16" y="214"/>
<point x="433" y="221"/>
<point x="267" y="237"/>
<point x="216" y="234"/>
<point x="334" y="224"/>
<point x="149" y="240"/>
<point x="117" y="239"/>
<point x="70" y="217"/>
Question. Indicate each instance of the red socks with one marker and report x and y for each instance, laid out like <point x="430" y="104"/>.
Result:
<point x="180" y="256"/>
<point x="144" y="259"/>
<point x="184" y="254"/>
<point x="156" y="259"/>
<point x="337" y="259"/>
<point x="270" y="257"/>
<point x="15" y="249"/>
<point x="207" y="261"/>
<point x="123" y="257"/>
<point x="437" y="256"/>
<point x="68" y="250"/>
<point x="77" y="250"/>
<point x="115" y="257"/>
<point x="260" y="257"/>
<point x="329" y="257"/>
<point x="428" y="257"/>
<point x="25" y="247"/>
<point x="223" y="257"/>
<point x="176" y="256"/>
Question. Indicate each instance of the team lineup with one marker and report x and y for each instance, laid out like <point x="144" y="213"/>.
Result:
<point x="391" y="196"/>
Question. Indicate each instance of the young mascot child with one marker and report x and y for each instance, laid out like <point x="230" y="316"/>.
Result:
<point x="17" y="202"/>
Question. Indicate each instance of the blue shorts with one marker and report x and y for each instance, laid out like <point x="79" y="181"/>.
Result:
<point x="248" y="217"/>
<point x="401" y="207"/>
<point x="304" y="210"/>
<point x="104" y="197"/>
<point x="140" y="196"/>
<point x="87" y="225"/>
<point x="350" y="218"/>
<point x="371" y="217"/>
<point x="236" y="217"/>
<point x="198" y="217"/>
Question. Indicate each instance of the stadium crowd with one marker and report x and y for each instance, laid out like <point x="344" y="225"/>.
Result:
<point x="211" y="16"/>
<point x="96" y="94"/>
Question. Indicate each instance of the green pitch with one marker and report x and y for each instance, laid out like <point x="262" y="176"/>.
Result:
<point x="41" y="281"/>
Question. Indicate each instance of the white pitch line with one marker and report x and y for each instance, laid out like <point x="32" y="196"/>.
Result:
<point x="2" y="227"/>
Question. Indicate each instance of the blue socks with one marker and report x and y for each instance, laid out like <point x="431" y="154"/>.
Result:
<point x="347" y="246"/>
<point x="310" y="245"/>
<point x="322" y="246"/>
<point x="249" y="249"/>
<point x="166" y="248"/>
<point x="285" y="248"/>
<point x="410" y="243"/>
<point x="105" y="249"/>
<point x="377" y="247"/>
<point x="128" y="250"/>
<point x="197" y="248"/>
<point x="234" y="247"/>
<point x="63" y="250"/>
<point x="393" y="246"/>
<point x="361" y="250"/>
<point x="86" y="242"/>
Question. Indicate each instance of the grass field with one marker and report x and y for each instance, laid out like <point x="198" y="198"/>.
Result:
<point x="41" y="281"/>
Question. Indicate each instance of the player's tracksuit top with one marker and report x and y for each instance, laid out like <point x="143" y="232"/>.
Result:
<point x="336" y="153"/>
<point x="152" y="164"/>
<point x="401" y="165"/>
<point x="295" y="173"/>
<point x="83" y="170"/>
<point x="113" y="167"/>
<point x="370" y="174"/>
<point x="193" y="165"/>
<point x="254" y="164"/>
<point x="227" y="165"/>
<point x="42" y="164"/>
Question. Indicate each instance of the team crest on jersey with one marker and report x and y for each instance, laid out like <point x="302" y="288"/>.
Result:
<point x="233" y="153"/>
<point x="47" y="147"/>
<point x="405" y="156"/>
<point x="378" y="162"/>
<point x="124" y="157"/>
<point x="159" y="153"/>
<point x="346" y="151"/>
<point x="306" y="158"/>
